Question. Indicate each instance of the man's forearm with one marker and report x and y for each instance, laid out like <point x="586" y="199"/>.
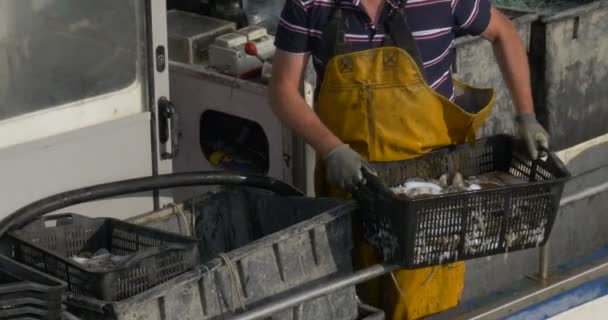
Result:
<point x="512" y="58"/>
<point x="291" y="108"/>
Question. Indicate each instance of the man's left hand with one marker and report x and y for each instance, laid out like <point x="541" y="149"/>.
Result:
<point x="534" y="135"/>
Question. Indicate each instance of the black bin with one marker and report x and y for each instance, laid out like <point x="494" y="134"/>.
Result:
<point x="428" y="231"/>
<point x="155" y="256"/>
<point x="27" y="293"/>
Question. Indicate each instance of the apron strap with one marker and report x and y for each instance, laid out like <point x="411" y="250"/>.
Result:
<point x="333" y="40"/>
<point x="401" y="35"/>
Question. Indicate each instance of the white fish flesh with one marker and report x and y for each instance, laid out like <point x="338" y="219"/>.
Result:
<point x="417" y="187"/>
<point x="440" y="243"/>
<point x="101" y="261"/>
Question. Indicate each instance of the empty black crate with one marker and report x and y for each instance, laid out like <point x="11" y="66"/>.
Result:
<point x="25" y="292"/>
<point x="153" y="256"/>
<point x="440" y="229"/>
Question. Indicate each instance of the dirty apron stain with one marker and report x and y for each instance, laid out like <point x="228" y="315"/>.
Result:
<point x="378" y="102"/>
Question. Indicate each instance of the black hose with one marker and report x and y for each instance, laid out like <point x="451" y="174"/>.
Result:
<point x="41" y="207"/>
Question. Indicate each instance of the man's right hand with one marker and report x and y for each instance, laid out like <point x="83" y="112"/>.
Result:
<point x="535" y="136"/>
<point x="343" y="167"/>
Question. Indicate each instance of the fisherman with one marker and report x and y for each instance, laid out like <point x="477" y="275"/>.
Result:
<point x="387" y="94"/>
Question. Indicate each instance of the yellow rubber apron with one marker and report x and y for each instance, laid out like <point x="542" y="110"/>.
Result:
<point x="378" y="102"/>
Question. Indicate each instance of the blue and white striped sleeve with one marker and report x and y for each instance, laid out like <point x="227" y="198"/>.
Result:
<point x="293" y="33"/>
<point x="471" y="16"/>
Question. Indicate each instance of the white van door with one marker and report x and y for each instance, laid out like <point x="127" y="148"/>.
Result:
<point x="83" y="100"/>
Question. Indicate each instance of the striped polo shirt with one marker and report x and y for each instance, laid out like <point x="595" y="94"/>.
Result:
<point x="433" y="24"/>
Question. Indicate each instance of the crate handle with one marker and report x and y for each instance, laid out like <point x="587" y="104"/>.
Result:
<point x="372" y="185"/>
<point x="149" y="252"/>
<point x="543" y="153"/>
<point x="57" y="220"/>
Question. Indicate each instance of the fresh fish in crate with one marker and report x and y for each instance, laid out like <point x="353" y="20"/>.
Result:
<point x="437" y="242"/>
<point x="457" y="183"/>
<point x="102" y="260"/>
<point x="478" y="237"/>
<point x="416" y="188"/>
<point x="496" y="179"/>
<point x="446" y="183"/>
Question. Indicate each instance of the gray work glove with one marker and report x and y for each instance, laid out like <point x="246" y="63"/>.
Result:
<point x="535" y="136"/>
<point x="343" y="167"/>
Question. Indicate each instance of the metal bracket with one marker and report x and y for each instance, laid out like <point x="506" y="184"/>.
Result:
<point x="168" y="127"/>
<point x="161" y="59"/>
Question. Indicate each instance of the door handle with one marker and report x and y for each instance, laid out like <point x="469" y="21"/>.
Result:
<point x="168" y="128"/>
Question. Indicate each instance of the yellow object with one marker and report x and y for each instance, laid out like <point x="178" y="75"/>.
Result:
<point x="217" y="157"/>
<point x="378" y="102"/>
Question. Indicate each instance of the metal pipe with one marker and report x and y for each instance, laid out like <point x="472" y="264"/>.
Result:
<point x="543" y="268"/>
<point x="112" y="189"/>
<point x="589" y="192"/>
<point x="318" y="290"/>
<point x="543" y="256"/>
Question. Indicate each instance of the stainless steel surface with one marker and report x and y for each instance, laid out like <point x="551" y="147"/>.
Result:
<point x="191" y="34"/>
<point x="504" y="308"/>
<point x="314" y="292"/>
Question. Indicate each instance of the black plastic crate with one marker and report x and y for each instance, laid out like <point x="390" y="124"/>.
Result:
<point x="441" y="229"/>
<point x="155" y="256"/>
<point x="276" y="244"/>
<point x="25" y="292"/>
